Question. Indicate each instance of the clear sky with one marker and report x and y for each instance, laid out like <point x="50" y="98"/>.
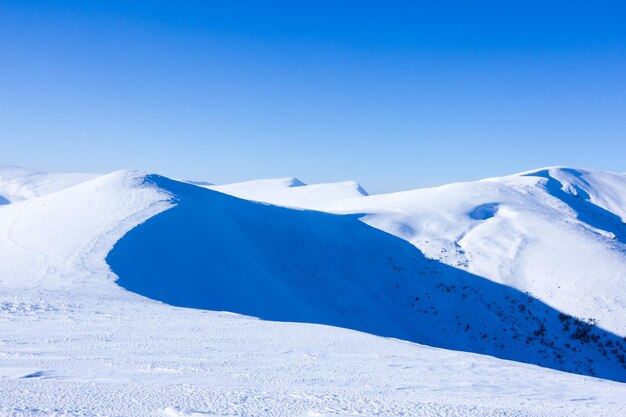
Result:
<point x="395" y="95"/>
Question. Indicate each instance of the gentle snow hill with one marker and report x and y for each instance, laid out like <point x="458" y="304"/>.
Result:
<point x="75" y="343"/>
<point x="557" y="233"/>
<point x="17" y="184"/>
<point x="46" y="240"/>
<point x="291" y="192"/>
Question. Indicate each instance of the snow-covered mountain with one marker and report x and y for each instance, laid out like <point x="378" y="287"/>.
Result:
<point x="275" y="263"/>
<point x="556" y="233"/>
<point x="291" y="192"/>
<point x="76" y="343"/>
<point x="18" y="183"/>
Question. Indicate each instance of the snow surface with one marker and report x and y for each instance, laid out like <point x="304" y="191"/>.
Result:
<point x="73" y="342"/>
<point x="557" y="233"/>
<point x="17" y="184"/>
<point x="291" y="192"/>
<point x="217" y="252"/>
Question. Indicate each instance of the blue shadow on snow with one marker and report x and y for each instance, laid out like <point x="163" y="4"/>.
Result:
<point x="216" y="252"/>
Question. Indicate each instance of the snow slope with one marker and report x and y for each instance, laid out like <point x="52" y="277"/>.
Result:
<point x="18" y="183"/>
<point x="557" y="233"/>
<point x="64" y="354"/>
<point x="75" y="343"/>
<point x="217" y="252"/>
<point x="291" y="192"/>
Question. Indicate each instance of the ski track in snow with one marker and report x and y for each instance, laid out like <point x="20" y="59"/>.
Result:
<point x="73" y="343"/>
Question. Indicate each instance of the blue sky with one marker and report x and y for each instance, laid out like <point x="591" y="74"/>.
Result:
<point x="395" y="95"/>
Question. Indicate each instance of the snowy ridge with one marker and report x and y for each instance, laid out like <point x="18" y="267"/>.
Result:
<point x="49" y="241"/>
<point x="604" y="189"/>
<point x="291" y="192"/>
<point x="75" y="343"/>
<point x="597" y="199"/>
<point x="524" y="231"/>
<point x="289" y="265"/>
<point x="17" y="184"/>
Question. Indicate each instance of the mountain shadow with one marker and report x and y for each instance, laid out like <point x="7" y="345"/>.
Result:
<point x="217" y="252"/>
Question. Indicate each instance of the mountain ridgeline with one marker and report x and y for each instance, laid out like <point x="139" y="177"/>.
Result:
<point x="217" y="252"/>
